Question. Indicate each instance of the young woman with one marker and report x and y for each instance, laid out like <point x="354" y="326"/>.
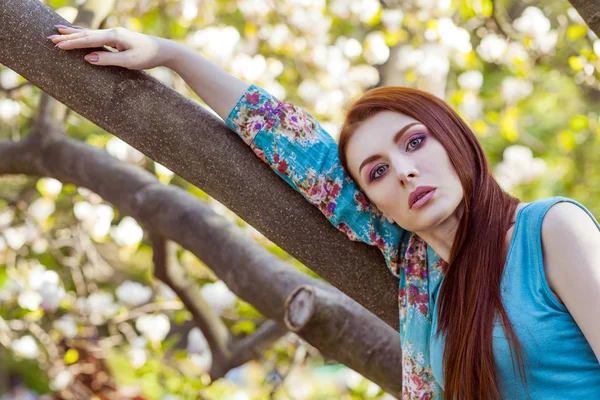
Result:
<point x="498" y="298"/>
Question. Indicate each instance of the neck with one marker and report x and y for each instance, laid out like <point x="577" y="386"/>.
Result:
<point x="441" y="237"/>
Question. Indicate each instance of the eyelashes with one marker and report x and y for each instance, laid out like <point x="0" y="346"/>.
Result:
<point x="380" y="169"/>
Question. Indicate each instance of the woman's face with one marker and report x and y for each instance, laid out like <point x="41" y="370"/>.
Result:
<point x="391" y="155"/>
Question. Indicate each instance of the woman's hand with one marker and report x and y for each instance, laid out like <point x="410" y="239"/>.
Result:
<point x="135" y="50"/>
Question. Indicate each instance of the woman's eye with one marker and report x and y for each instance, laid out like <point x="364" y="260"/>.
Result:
<point x="414" y="143"/>
<point x="377" y="172"/>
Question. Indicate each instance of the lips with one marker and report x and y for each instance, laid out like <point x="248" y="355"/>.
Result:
<point x="418" y="192"/>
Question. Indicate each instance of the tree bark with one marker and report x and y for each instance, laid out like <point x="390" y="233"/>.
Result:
<point x="190" y="141"/>
<point x="590" y="12"/>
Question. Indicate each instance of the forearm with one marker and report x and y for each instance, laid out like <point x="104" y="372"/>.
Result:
<point x="219" y="89"/>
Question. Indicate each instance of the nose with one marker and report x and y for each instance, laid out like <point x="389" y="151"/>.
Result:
<point x="404" y="169"/>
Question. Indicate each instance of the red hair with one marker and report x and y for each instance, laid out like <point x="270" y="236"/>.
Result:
<point x="470" y="296"/>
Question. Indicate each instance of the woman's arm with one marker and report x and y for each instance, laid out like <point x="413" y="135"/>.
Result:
<point x="219" y="89"/>
<point x="294" y="145"/>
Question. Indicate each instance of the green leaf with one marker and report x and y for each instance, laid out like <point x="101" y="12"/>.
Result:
<point x="576" y="63"/>
<point x="246" y="327"/>
<point x="579" y="123"/>
<point x="576" y="31"/>
<point x="566" y="139"/>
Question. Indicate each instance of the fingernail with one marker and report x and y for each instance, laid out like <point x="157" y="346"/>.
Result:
<point x="61" y="26"/>
<point x="52" y="36"/>
<point x="92" y="57"/>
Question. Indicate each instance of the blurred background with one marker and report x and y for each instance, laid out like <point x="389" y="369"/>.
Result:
<point x="76" y="283"/>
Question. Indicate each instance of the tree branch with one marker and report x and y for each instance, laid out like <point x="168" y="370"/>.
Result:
<point x="168" y="270"/>
<point x="590" y="12"/>
<point x="195" y="144"/>
<point x="308" y="308"/>
<point x="249" y="270"/>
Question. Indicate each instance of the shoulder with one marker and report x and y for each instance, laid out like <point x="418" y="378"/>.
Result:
<point x="570" y="244"/>
<point x="566" y="221"/>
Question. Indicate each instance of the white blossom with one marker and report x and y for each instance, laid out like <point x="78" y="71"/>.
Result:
<point x="392" y="18"/>
<point x="349" y="377"/>
<point x="198" y="349"/>
<point x="364" y="74"/>
<point x="62" y="380"/>
<point x="6" y="217"/>
<point x="309" y="90"/>
<point x="219" y="296"/>
<point x="254" y="8"/>
<point x="532" y="22"/>
<point x="492" y="47"/>
<point x="137" y="357"/>
<point x="518" y="166"/>
<point x="471" y="106"/>
<point x="41" y="208"/>
<point x="51" y="186"/>
<point x="26" y="347"/>
<point x="9" y="78"/>
<point x="189" y="9"/>
<point x="471" y="80"/>
<point x="96" y="218"/>
<point x="29" y="300"/>
<point x="66" y="325"/>
<point x="99" y="305"/>
<point x="123" y="151"/>
<point x="127" y="233"/>
<point x="133" y="293"/>
<point x="453" y="36"/>
<point x="515" y="89"/>
<point x="154" y="327"/>
<point x="16" y="236"/>
<point x="376" y="50"/>
<point x="9" y="109"/>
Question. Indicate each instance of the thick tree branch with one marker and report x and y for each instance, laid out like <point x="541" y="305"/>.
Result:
<point x="249" y="270"/>
<point x="590" y="12"/>
<point x="308" y="308"/>
<point x="190" y="141"/>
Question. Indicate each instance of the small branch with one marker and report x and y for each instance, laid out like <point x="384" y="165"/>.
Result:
<point x="252" y="346"/>
<point x="168" y="270"/>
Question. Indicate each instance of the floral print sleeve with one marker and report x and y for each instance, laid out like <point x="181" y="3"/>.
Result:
<point x="299" y="150"/>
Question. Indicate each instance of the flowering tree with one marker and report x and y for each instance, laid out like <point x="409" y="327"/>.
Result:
<point x="77" y="245"/>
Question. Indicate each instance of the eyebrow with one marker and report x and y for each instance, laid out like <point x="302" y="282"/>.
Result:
<point x="397" y="138"/>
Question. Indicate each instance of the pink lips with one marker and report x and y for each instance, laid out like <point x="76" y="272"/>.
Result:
<point x="413" y="203"/>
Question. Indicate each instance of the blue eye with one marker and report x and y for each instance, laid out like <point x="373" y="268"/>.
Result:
<point x="418" y="140"/>
<point x="377" y="172"/>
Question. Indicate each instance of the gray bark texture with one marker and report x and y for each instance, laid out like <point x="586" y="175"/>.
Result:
<point x="590" y="12"/>
<point x="190" y="141"/>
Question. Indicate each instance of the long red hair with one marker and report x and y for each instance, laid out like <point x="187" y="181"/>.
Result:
<point x="470" y="295"/>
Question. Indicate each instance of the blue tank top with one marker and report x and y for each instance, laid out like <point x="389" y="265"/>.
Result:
<point x="559" y="362"/>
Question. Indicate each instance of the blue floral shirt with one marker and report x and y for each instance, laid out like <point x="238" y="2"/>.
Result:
<point x="300" y="151"/>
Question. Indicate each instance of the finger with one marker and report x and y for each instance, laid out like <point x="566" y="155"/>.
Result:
<point x="61" y="38"/>
<point x="85" y="40"/>
<point x="108" y="58"/>
<point x="62" y="28"/>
